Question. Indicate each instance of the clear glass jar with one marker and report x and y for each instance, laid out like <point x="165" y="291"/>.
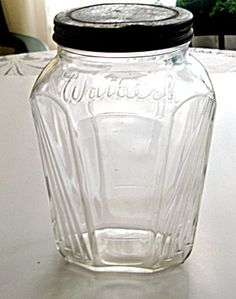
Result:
<point x="124" y="139"/>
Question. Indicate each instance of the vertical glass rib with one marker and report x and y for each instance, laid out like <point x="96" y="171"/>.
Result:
<point x="61" y="199"/>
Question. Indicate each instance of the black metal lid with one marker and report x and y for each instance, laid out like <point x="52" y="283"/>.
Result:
<point x="123" y="27"/>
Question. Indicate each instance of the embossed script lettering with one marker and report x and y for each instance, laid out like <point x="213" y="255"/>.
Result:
<point x="77" y="88"/>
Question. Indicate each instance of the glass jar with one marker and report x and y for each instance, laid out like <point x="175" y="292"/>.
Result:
<point x="124" y="117"/>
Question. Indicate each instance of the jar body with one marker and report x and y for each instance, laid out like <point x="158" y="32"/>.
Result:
<point x="124" y="142"/>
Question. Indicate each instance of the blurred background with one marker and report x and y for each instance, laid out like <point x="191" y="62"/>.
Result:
<point x="32" y="20"/>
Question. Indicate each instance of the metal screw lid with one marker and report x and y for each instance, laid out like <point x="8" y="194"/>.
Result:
<point x="123" y="27"/>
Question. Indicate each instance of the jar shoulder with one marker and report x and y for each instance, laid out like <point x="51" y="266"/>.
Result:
<point x="199" y="72"/>
<point x="188" y="77"/>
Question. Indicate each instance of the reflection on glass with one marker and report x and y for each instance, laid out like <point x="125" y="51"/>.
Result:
<point x="74" y="283"/>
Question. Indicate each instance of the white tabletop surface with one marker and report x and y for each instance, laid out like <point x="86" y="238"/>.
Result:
<point x="31" y="268"/>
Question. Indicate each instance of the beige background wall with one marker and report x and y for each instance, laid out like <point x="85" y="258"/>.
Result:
<point x="27" y="17"/>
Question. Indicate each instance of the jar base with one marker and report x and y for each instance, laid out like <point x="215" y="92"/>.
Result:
<point x="121" y="269"/>
<point x="127" y="250"/>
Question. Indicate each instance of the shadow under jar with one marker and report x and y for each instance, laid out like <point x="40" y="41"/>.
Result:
<point x="124" y="117"/>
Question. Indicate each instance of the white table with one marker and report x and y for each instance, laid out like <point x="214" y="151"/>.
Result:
<point x="31" y="268"/>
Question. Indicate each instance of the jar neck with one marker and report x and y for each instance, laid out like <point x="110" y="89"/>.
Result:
<point x="74" y="54"/>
